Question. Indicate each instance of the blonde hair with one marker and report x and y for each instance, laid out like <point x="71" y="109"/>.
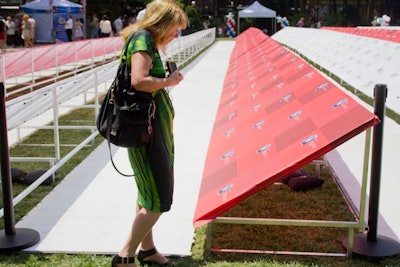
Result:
<point x="159" y="18"/>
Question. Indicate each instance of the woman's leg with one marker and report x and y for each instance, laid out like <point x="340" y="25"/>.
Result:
<point x="26" y="41"/>
<point x="141" y="234"/>
<point x="147" y="241"/>
<point x="140" y="231"/>
<point x="148" y="244"/>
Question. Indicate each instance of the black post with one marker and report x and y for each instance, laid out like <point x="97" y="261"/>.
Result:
<point x="12" y="239"/>
<point x="370" y="244"/>
<point x="6" y="183"/>
<point x="380" y="95"/>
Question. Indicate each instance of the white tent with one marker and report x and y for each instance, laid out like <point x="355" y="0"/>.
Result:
<point x="256" y="10"/>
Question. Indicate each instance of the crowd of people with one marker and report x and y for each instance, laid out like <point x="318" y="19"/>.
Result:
<point x="18" y="31"/>
<point x="99" y="28"/>
<point x="104" y="27"/>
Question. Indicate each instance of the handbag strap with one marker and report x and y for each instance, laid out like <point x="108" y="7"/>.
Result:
<point x="112" y="162"/>
<point x="125" y="48"/>
<point x="108" y="132"/>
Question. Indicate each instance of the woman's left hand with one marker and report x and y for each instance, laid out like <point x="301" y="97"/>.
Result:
<point x="175" y="78"/>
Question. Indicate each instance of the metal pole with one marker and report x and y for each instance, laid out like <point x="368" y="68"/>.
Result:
<point x="371" y="244"/>
<point x="56" y="129"/>
<point x="12" y="239"/>
<point x="364" y="183"/>
<point x="380" y="94"/>
<point x="6" y="183"/>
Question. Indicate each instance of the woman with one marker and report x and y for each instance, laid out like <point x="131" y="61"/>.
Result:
<point x="10" y="31"/>
<point x="3" y="35"/>
<point x="152" y="164"/>
<point x="78" y="33"/>
<point x="26" y="31"/>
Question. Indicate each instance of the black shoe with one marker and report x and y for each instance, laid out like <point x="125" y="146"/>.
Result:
<point x="147" y="253"/>
<point x="121" y="260"/>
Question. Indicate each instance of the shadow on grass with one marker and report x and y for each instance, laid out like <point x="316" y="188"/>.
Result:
<point x="249" y="260"/>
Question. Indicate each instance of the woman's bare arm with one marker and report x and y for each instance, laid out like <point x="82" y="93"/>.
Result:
<point x="141" y="79"/>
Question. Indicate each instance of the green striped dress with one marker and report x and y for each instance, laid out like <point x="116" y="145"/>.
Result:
<point x="153" y="163"/>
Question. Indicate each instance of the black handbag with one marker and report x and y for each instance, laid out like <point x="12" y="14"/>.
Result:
<point x="126" y="114"/>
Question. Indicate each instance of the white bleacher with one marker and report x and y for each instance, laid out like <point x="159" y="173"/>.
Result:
<point x="24" y="69"/>
<point x="359" y="61"/>
<point x="29" y="106"/>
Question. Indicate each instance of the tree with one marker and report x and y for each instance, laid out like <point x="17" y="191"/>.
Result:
<point x="194" y="18"/>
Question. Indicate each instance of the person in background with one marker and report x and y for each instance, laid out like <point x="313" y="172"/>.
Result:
<point x="3" y="34"/>
<point x="153" y="163"/>
<point x="206" y="24"/>
<point x="78" y="32"/>
<point x="375" y="22"/>
<point x="18" y="30"/>
<point x="220" y="31"/>
<point x="69" y="25"/>
<point x="32" y="21"/>
<point x="320" y="24"/>
<point x="140" y="14"/>
<point x="300" y="23"/>
<point x="105" y="27"/>
<point x="125" y="21"/>
<point x="11" y="28"/>
<point x="94" y="27"/>
<point x="26" y="31"/>
<point x="118" y="25"/>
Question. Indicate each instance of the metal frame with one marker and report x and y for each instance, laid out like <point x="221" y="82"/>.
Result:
<point x="357" y="225"/>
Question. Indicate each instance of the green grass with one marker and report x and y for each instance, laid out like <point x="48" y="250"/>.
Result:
<point x="29" y="148"/>
<point x="325" y="203"/>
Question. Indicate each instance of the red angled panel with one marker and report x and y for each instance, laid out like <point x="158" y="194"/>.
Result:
<point x="276" y="114"/>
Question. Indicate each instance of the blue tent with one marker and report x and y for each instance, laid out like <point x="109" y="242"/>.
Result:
<point x="48" y="14"/>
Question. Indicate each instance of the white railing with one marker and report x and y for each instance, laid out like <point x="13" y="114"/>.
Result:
<point x="21" y="70"/>
<point x="182" y="49"/>
<point x="24" y="69"/>
<point x="85" y="86"/>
